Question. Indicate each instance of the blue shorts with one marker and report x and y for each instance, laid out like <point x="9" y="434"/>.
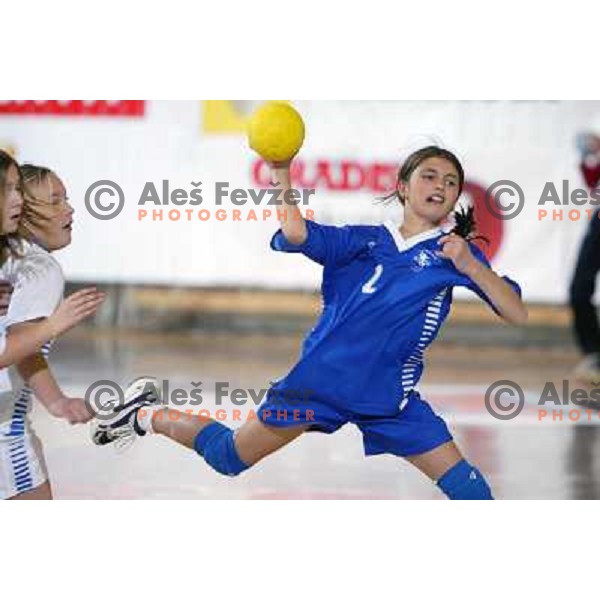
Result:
<point x="413" y="430"/>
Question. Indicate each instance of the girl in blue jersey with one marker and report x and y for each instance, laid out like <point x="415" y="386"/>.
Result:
<point x="386" y="292"/>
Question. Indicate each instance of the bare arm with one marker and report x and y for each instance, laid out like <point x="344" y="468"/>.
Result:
<point x="501" y="294"/>
<point x="24" y="339"/>
<point x="28" y="339"/>
<point x="292" y="222"/>
<point x="36" y="372"/>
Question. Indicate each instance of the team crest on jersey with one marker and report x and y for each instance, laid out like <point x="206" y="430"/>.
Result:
<point x="424" y="259"/>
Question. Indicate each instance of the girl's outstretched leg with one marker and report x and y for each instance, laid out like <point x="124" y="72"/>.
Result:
<point x="255" y="440"/>
<point x="453" y="474"/>
<point x="227" y="451"/>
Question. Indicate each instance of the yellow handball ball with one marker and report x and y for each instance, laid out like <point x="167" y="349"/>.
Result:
<point x="276" y="131"/>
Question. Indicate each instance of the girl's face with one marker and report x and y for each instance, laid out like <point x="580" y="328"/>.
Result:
<point x="13" y="201"/>
<point x="432" y="190"/>
<point x="52" y="228"/>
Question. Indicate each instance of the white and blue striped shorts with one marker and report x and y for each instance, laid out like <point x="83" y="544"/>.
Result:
<point x="22" y="463"/>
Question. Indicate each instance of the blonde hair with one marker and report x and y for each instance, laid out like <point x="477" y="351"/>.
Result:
<point x="33" y="177"/>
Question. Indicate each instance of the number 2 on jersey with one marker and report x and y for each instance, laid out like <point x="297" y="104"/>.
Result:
<point x="369" y="287"/>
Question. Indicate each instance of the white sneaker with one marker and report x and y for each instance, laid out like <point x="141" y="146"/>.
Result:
<point x="122" y="427"/>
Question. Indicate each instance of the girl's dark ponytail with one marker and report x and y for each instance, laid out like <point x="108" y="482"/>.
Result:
<point x="465" y="227"/>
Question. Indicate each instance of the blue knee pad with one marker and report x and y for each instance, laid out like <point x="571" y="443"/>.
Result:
<point x="464" y="482"/>
<point x="215" y="444"/>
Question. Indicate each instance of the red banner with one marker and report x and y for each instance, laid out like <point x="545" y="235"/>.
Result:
<point x="92" y="108"/>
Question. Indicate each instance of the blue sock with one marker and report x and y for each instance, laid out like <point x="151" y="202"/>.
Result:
<point x="215" y="444"/>
<point x="464" y="482"/>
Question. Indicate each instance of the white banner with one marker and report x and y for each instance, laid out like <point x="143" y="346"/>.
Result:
<point x="351" y="155"/>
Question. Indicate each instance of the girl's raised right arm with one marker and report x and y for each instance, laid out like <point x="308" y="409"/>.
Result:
<point x="292" y="222"/>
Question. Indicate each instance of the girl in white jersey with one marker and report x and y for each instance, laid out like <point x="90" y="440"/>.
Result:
<point x="44" y="224"/>
<point x="15" y="345"/>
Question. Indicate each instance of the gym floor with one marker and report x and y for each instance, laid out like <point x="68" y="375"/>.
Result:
<point x="530" y="456"/>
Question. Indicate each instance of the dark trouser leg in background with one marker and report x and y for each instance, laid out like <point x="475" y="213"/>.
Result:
<point x="583" y="285"/>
